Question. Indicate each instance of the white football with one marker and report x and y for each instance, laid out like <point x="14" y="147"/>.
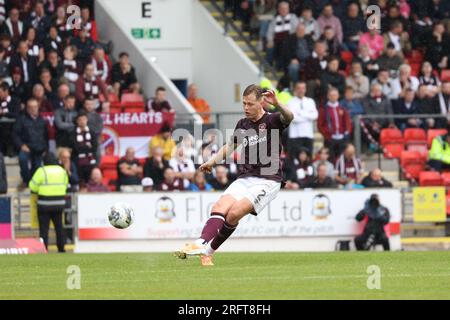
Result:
<point x="121" y="215"/>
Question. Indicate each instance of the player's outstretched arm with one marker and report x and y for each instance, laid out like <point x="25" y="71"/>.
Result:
<point x="286" y="115"/>
<point x="221" y="155"/>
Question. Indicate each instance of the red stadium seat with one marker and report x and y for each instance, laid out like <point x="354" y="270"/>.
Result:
<point x="445" y="75"/>
<point x="433" y="133"/>
<point x="108" y="165"/>
<point x="448" y="204"/>
<point x="416" y="57"/>
<point x="416" y="140"/>
<point x="430" y="178"/>
<point x="446" y="178"/>
<point x="415" y="69"/>
<point x="412" y="163"/>
<point x="393" y="143"/>
<point x="133" y="100"/>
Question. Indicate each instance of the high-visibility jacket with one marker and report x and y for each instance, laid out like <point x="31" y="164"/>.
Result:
<point x="50" y="184"/>
<point x="440" y="150"/>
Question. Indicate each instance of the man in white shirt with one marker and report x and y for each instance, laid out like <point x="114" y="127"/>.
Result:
<point x="301" y="130"/>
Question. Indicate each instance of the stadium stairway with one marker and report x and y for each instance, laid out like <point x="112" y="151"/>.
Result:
<point x="233" y="29"/>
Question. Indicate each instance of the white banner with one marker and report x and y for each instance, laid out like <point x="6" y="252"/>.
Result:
<point x="173" y="215"/>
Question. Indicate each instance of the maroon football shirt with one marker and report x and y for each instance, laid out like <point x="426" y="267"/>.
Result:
<point x="261" y="146"/>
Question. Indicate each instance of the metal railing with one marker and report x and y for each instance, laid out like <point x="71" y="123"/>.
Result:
<point x="264" y="66"/>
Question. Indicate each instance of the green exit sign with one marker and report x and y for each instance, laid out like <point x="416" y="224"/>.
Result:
<point x="141" y="33"/>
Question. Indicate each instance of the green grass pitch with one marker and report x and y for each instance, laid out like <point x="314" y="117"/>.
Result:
<point x="404" y="275"/>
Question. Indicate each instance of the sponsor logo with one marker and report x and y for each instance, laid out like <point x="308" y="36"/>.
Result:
<point x="165" y="209"/>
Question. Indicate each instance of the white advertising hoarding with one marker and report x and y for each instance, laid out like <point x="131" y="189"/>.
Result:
<point x="319" y="213"/>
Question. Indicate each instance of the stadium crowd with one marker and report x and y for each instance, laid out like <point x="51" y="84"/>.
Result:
<point x="334" y="68"/>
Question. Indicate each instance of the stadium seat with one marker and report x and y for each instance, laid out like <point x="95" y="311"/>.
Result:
<point x="412" y="163"/>
<point x="416" y="140"/>
<point x="445" y="75"/>
<point x="347" y="57"/>
<point x="416" y="57"/>
<point x="430" y="178"/>
<point x="415" y="69"/>
<point x="433" y="133"/>
<point x="393" y="143"/>
<point x="446" y="178"/>
<point x="108" y="165"/>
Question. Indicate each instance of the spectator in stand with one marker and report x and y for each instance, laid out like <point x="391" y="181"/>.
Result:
<point x="428" y="78"/>
<point x="124" y="76"/>
<point x="3" y="175"/>
<point x="90" y="87"/>
<point x="27" y="64"/>
<point x="358" y="81"/>
<point x="35" y="49"/>
<point x="95" y="122"/>
<point x="101" y="66"/>
<point x="322" y="180"/>
<point x="49" y="84"/>
<point x="39" y="95"/>
<point x="428" y="104"/>
<point x="301" y="130"/>
<point x="437" y="48"/>
<point x="405" y="81"/>
<point x="349" y="168"/>
<point x="377" y="104"/>
<point x="183" y="166"/>
<point x="65" y="122"/>
<point x="369" y="65"/>
<point x="200" y="105"/>
<point x="30" y="137"/>
<point x="54" y="65"/>
<point x="390" y="59"/>
<point x="85" y="46"/>
<point x="170" y="182"/>
<point x="390" y="89"/>
<point x="353" y="26"/>
<point x="374" y="41"/>
<point x="297" y="48"/>
<point x="220" y="180"/>
<point x="299" y="171"/>
<point x="147" y="184"/>
<point x="95" y="183"/>
<point x="334" y="124"/>
<point x="375" y="180"/>
<point x="444" y="98"/>
<point x="330" y="38"/>
<point x="40" y="21"/>
<point x="19" y="88"/>
<point x="164" y="141"/>
<point x="13" y="26"/>
<point x="331" y="78"/>
<point x="349" y="102"/>
<point x="280" y="28"/>
<point x="88" y="24"/>
<point x="407" y="106"/>
<point x="4" y="67"/>
<point x="9" y="109"/>
<point x="399" y="38"/>
<point x="130" y="172"/>
<point x="65" y="161"/>
<point x="323" y="158"/>
<point x="159" y="103"/>
<point x="439" y="154"/>
<point x="62" y="92"/>
<point x="393" y="15"/>
<point x="312" y="28"/>
<point x="314" y="68"/>
<point x="328" y="19"/>
<point x="71" y="66"/>
<point x="155" y="165"/>
<point x="53" y="42"/>
<point x="84" y="146"/>
<point x="60" y="22"/>
<point x="5" y="41"/>
<point x="199" y="182"/>
<point x="245" y="14"/>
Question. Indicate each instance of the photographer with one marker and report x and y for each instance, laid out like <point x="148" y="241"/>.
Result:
<point x="378" y="216"/>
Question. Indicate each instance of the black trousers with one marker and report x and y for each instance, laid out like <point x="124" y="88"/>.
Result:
<point x="296" y="144"/>
<point x="336" y="148"/>
<point x="361" y="241"/>
<point x="45" y="215"/>
<point x="438" y="165"/>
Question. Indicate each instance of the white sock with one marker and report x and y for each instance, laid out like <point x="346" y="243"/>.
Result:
<point x="200" y="242"/>
<point x="209" y="251"/>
